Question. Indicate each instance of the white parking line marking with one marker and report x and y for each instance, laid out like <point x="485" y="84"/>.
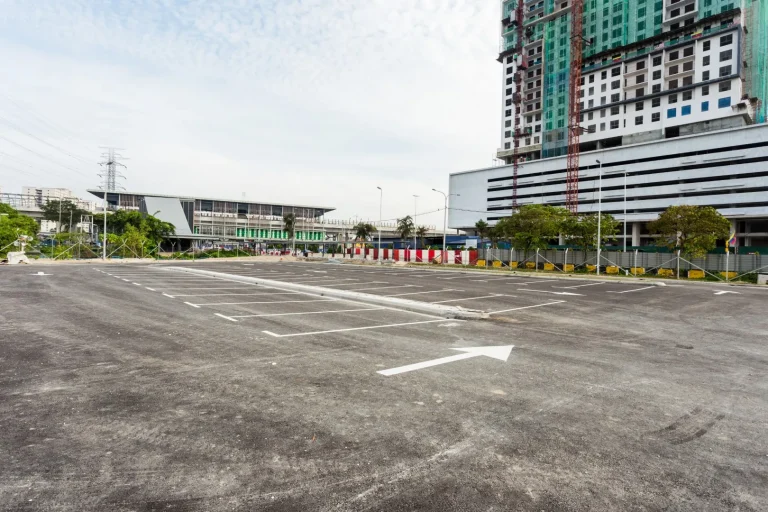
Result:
<point x="150" y="289"/>
<point x="356" y="328"/>
<point x="527" y="307"/>
<point x="553" y="293"/>
<point x="207" y="288"/>
<point x="580" y="285"/>
<point x="472" y="298"/>
<point x="137" y="284"/>
<point x="127" y="280"/>
<point x="227" y="317"/>
<point x="352" y="284"/>
<point x="170" y="296"/>
<point x="266" y="302"/>
<point x="385" y="287"/>
<point x="193" y="305"/>
<point x="633" y="290"/>
<point x="308" y="313"/>
<point x="421" y="293"/>
<point x="269" y="294"/>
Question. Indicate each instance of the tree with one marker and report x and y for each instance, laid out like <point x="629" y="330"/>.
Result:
<point x="363" y="231"/>
<point x="289" y="224"/>
<point x="481" y="228"/>
<point x="693" y="230"/>
<point x="12" y="225"/>
<point x="405" y="227"/>
<point x="64" y="210"/>
<point x="533" y="226"/>
<point x="581" y="230"/>
<point x="422" y="232"/>
<point x="154" y="229"/>
<point x="494" y="235"/>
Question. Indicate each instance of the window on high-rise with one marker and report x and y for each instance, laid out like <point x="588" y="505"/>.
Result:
<point x="705" y="61"/>
<point x="656" y="102"/>
<point x="674" y="56"/>
<point x="655" y="117"/>
<point x="615" y="97"/>
<point x="616" y="71"/>
<point x="705" y="76"/>
<point x="639" y="106"/>
<point x="615" y="111"/>
<point x="603" y="75"/>
<point x="688" y="81"/>
<point x="657" y="75"/>
<point x="671" y="112"/>
<point x="726" y="40"/>
<point x="673" y="84"/>
<point x="706" y="46"/>
<point x="687" y="52"/>
<point x="725" y="71"/>
<point x="724" y="86"/>
<point x="687" y="95"/>
<point x="685" y="110"/>
<point x="657" y="61"/>
<point x="724" y="102"/>
<point x="705" y="106"/>
<point x="614" y="125"/>
<point x="726" y="55"/>
<point x="615" y="84"/>
<point x="656" y="88"/>
<point x="705" y="90"/>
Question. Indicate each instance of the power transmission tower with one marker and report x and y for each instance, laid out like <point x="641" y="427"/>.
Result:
<point x="109" y="175"/>
<point x="112" y="160"/>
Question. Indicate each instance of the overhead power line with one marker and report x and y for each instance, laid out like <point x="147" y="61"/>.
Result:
<point x="20" y="130"/>
<point x="45" y="157"/>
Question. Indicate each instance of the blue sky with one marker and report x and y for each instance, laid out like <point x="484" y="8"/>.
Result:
<point x="307" y="101"/>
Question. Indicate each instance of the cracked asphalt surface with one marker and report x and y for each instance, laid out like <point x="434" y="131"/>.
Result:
<point x="131" y="387"/>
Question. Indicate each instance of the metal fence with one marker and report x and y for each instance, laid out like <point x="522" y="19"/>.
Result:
<point x="740" y="263"/>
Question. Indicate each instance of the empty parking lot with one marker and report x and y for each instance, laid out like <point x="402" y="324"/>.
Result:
<point x="147" y="387"/>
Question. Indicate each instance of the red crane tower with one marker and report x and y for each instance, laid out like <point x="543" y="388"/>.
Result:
<point x="574" y="107"/>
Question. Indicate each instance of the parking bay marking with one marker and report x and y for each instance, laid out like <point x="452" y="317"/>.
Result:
<point x="498" y="352"/>
<point x="472" y="298"/>
<point x="526" y="307"/>
<point x="633" y="290"/>
<point x="354" y="328"/>
<point x="305" y="313"/>
<point x="262" y="302"/>
<point x="547" y="291"/>
<point x="421" y="293"/>
<point x="723" y="292"/>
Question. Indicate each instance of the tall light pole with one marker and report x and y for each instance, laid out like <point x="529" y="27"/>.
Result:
<point x="599" y="210"/>
<point x="415" y="198"/>
<point x="444" y="255"/>
<point x="625" y="211"/>
<point x="381" y="202"/>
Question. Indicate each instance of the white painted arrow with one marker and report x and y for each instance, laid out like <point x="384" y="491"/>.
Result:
<point x="553" y="293"/>
<point x="499" y="352"/>
<point x="722" y="292"/>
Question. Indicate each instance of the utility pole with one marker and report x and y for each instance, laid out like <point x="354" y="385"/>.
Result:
<point x="444" y="256"/>
<point x="415" y="209"/>
<point x="111" y="163"/>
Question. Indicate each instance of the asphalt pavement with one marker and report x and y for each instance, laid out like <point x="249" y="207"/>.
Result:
<point x="144" y="387"/>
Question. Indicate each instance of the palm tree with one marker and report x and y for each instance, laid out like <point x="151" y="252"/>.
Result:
<point x="405" y="227"/>
<point x="364" y="230"/>
<point x="481" y="228"/>
<point x="422" y="232"/>
<point x="289" y="224"/>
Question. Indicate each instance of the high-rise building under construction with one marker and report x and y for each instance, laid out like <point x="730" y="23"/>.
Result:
<point x="669" y="96"/>
<point x="651" y="69"/>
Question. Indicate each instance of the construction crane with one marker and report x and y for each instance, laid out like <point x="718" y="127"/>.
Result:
<point x="574" y="107"/>
<point x="517" y="97"/>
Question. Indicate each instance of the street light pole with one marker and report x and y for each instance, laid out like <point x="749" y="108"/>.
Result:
<point x="415" y="198"/>
<point x="381" y="202"/>
<point x="599" y="211"/>
<point x="625" y="211"/>
<point x="444" y="255"/>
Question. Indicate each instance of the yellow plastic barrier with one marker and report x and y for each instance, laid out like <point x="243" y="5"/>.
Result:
<point x="591" y="268"/>
<point x="636" y="271"/>
<point x="496" y="264"/>
<point x="695" y="274"/>
<point x="549" y="266"/>
<point x="612" y="270"/>
<point x="530" y="265"/>
<point x="568" y="267"/>
<point x="729" y="275"/>
<point x="512" y="264"/>
<point x="666" y="272"/>
<point x="480" y="263"/>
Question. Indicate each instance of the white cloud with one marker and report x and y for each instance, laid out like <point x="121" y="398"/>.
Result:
<point x="307" y="101"/>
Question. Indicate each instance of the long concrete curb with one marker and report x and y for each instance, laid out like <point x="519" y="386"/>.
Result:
<point x="366" y="298"/>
